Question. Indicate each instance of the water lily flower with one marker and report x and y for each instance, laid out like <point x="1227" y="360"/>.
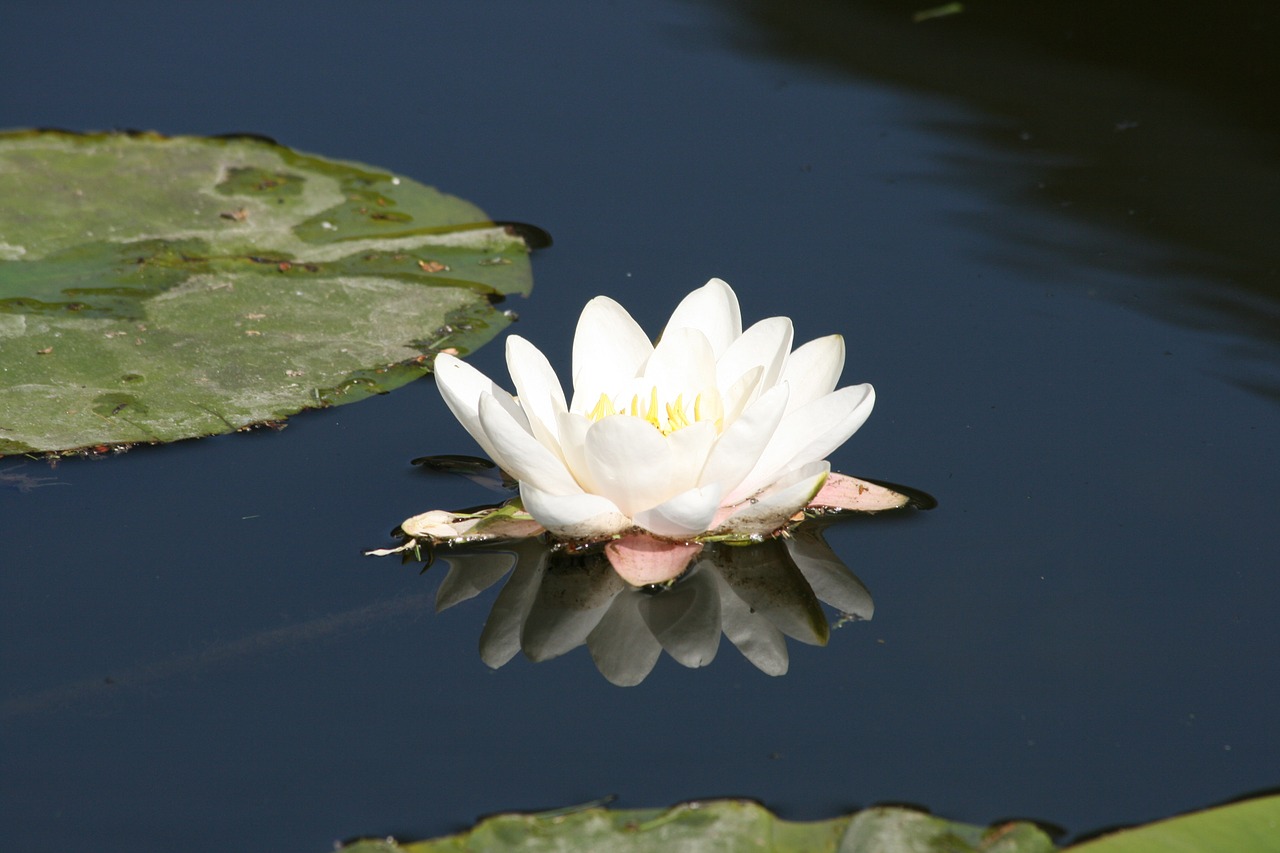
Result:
<point x="714" y="432"/>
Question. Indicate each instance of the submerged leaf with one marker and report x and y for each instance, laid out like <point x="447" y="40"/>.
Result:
<point x="155" y="288"/>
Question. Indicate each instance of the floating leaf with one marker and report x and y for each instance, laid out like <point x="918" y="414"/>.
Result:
<point x="736" y="825"/>
<point x="1251" y="826"/>
<point x="156" y="288"/>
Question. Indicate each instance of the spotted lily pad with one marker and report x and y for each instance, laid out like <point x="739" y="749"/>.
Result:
<point x="154" y="289"/>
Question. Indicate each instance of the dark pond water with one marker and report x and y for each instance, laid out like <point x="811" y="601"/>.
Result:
<point x="1049" y="244"/>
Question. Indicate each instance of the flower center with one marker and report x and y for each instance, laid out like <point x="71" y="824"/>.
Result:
<point x="666" y="418"/>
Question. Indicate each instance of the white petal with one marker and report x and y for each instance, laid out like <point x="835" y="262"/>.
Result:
<point x="682" y="362"/>
<point x="685" y="515"/>
<point x="462" y="386"/>
<point x="573" y="446"/>
<point x="810" y="433"/>
<point x="740" y="446"/>
<point x="630" y="462"/>
<point x="713" y="310"/>
<point x="770" y="510"/>
<point x="525" y="458"/>
<point x="813" y="370"/>
<point x="537" y="388"/>
<point x="766" y="344"/>
<point x="745" y="389"/>
<point x="580" y="516"/>
<point x="609" y="347"/>
<point x="690" y="448"/>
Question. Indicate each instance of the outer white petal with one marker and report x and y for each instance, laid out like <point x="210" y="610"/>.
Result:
<point x="682" y="361"/>
<point x="462" y="387"/>
<point x="685" y="515"/>
<point x="609" y="347"/>
<point x="810" y="433"/>
<point x="526" y="459"/>
<point x="813" y="370"/>
<point x="767" y="344"/>
<point x="772" y="508"/>
<point x="713" y="310"/>
<point x="537" y="387"/>
<point x="739" y="447"/>
<point x="580" y="516"/>
<point x="630" y="463"/>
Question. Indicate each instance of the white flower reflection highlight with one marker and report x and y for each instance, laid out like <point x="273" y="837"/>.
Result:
<point x="715" y="432"/>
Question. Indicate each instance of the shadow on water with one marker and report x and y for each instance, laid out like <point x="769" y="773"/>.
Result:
<point x="1149" y="125"/>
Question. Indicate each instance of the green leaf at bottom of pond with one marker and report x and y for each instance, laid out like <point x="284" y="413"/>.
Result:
<point x="154" y="288"/>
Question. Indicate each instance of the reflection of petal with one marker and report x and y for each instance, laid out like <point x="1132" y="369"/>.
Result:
<point x="686" y="619"/>
<point x="765" y="577"/>
<point x="500" y="639"/>
<point x="471" y="574"/>
<point x="622" y="645"/>
<point x="573" y="598"/>
<point x="755" y="636"/>
<point x="830" y="579"/>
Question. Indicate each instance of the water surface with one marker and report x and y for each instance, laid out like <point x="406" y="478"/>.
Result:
<point x="1067" y="307"/>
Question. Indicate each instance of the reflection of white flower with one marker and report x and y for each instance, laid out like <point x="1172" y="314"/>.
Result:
<point x="715" y="430"/>
<point x="755" y="595"/>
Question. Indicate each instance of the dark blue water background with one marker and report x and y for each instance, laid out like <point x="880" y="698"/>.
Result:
<point x="1058" y="269"/>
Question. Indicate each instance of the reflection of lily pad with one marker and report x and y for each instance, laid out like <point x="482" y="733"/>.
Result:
<point x="154" y="288"/>
<point x="725" y="825"/>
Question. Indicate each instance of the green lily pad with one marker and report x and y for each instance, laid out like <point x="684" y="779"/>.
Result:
<point x="1251" y="826"/>
<point x="737" y="825"/>
<point x="154" y="289"/>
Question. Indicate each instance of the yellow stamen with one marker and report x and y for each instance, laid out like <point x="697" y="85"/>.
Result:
<point x="676" y="418"/>
<point x="676" y="415"/>
<point x="604" y="408"/>
<point x="652" y="415"/>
